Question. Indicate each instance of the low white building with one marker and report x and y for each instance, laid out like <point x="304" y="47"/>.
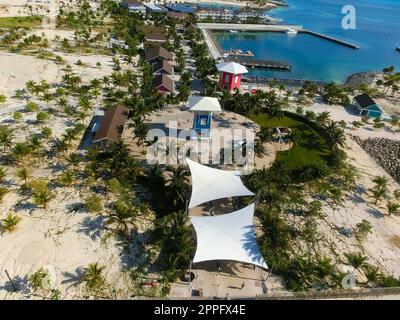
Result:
<point x="220" y="14"/>
<point x="134" y="6"/>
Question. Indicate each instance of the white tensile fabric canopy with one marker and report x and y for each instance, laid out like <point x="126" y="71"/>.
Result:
<point x="231" y="67"/>
<point x="228" y="237"/>
<point x="210" y="184"/>
<point x="209" y="104"/>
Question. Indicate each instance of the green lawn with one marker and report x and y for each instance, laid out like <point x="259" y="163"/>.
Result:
<point x="312" y="146"/>
<point x="20" y="22"/>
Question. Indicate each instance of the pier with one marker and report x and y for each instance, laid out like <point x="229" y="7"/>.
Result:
<point x="271" y="28"/>
<point x="265" y="64"/>
<point x="293" y="82"/>
<point x="326" y="37"/>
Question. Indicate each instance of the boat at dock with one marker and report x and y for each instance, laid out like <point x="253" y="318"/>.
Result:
<point x="291" y="31"/>
<point x="233" y="31"/>
<point x="239" y="53"/>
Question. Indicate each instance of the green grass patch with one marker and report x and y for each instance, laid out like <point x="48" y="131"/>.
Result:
<point x="20" y="22"/>
<point x="312" y="146"/>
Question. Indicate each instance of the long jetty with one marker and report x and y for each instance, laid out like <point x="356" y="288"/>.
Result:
<point x="262" y="63"/>
<point x="272" y="28"/>
<point x="295" y="82"/>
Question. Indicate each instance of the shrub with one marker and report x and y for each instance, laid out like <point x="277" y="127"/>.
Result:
<point x="46" y="132"/>
<point x="32" y="106"/>
<point x="93" y="204"/>
<point x="42" y="116"/>
<point x="17" y="116"/>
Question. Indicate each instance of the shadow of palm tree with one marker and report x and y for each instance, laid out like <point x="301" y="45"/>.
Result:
<point x="17" y="283"/>
<point x="92" y="227"/>
<point x="73" y="279"/>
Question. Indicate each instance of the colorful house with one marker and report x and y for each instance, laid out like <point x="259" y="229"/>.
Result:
<point x="203" y="109"/>
<point x="163" y="84"/>
<point x="230" y="74"/>
<point x="366" y="106"/>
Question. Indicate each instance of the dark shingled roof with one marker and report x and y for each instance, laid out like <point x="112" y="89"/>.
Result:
<point x="165" y="81"/>
<point x="364" y="100"/>
<point x="158" y="52"/>
<point x="112" y="124"/>
<point x="163" y="65"/>
<point x="156" y="37"/>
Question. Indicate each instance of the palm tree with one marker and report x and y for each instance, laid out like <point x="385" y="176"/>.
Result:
<point x="67" y="178"/>
<point x="9" y="223"/>
<point x="335" y="136"/>
<point x="2" y="174"/>
<point x="381" y="182"/>
<point x="41" y="193"/>
<point x="73" y="160"/>
<point x="178" y="186"/>
<point x="393" y="208"/>
<point x="93" y="276"/>
<point x="3" y="192"/>
<point x="140" y="129"/>
<point x="23" y="174"/>
<point x="356" y="260"/>
<point x="6" y="136"/>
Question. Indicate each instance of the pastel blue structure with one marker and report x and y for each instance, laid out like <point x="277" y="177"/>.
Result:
<point x="366" y="106"/>
<point x="203" y="109"/>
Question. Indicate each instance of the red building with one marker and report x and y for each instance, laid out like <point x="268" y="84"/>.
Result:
<point x="230" y="74"/>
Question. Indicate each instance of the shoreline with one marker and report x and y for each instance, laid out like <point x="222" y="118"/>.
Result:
<point x="242" y="4"/>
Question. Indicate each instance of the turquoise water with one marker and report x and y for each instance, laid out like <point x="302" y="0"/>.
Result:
<point x="377" y="33"/>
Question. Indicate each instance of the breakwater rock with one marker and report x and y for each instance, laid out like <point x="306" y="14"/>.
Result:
<point x="385" y="152"/>
<point x="355" y="80"/>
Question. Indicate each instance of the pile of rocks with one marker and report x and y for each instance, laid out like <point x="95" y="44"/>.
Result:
<point x="355" y="80"/>
<point x="385" y="152"/>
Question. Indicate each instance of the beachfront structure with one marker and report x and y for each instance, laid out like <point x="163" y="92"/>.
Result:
<point x="163" y="84"/>
<point x="153" y="8"/>
<point x="230" y="74"/>
<point x="366" y="106"/>
<point x="245" y="15"/>
<point x="154" y="54"/>
<point x="210" y="184"/>
<point x="163" y="67"/>
<point x="203" y="109"/>
<point x="217" y="14"/>
<point x="111" y="126"/>
<point x="134" y="6"/>
<point x="229" y="236"/>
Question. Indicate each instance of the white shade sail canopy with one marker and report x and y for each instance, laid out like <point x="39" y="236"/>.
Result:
<point x="208" y="104"/>
<point x="210" y="184"/>
<point x="231" y="67"/>
<point x="228" y="237"/>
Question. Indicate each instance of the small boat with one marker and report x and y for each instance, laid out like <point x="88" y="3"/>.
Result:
<point x="291" y="31"/>
<point x="398" y="48"/>
<point x="233" y="31"/>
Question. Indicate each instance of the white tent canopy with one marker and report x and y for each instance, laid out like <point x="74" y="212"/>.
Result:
<point x="204" y="104"/>
<point x="211" y="184"/>
<point x="231" y="67"/>
<point x="228" y="237"/>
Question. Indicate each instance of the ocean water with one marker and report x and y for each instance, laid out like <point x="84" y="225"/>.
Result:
<point x="377" y="33"/>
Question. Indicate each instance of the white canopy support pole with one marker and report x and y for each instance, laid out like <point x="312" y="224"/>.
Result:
<point x="190" y="277"/>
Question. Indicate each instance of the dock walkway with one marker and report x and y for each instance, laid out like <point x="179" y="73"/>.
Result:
<point x="252" y="63"/>
<point x="271" y="28"/>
